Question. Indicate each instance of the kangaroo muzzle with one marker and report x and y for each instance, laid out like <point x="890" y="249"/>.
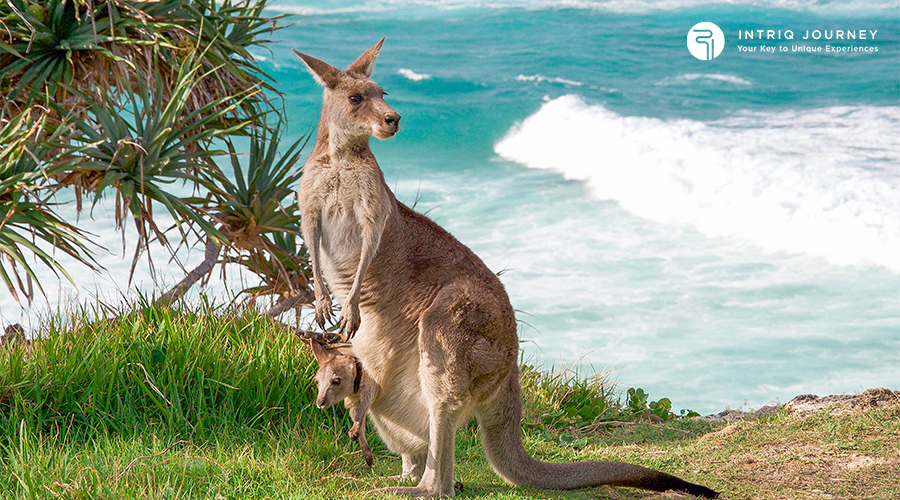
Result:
<point x="389" y="127"/>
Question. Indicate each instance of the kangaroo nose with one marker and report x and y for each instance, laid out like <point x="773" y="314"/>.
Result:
<point x="392" y="119"/>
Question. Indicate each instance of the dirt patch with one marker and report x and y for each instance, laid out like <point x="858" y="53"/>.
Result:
<point x="855" y="461"/>
<point x="797" y="469"/>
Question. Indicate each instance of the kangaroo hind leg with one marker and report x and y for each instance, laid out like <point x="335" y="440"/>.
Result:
<point x="457" y="361"/>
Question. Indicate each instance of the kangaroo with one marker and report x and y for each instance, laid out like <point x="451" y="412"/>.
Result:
<point x="433" y="326"/>
<point x="341" y="377"/>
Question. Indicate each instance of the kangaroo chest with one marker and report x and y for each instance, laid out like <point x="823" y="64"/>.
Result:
<point x="349" y="199"/>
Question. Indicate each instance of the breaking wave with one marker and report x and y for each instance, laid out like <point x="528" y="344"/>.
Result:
<point x="822" y="182"/>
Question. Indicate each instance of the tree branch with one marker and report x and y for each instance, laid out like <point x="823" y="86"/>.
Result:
<point x="178" y="291"/>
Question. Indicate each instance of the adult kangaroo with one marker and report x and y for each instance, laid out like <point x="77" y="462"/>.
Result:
<point x="433" y="325"/>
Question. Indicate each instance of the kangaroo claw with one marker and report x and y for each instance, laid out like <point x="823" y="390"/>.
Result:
<point x="324" y="319"/>
<point x="323" y="311"/>
<point x="350" y="321"/>
<point x="349" y="328"/>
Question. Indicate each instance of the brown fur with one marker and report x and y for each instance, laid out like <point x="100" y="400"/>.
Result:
<point x="335" y="382"/>
<point x="434" y="326"/>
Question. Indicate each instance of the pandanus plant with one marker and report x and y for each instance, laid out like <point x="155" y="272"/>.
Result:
<point x="141" y="101"/>
<point x="28" y="224"/>
<point x="255" y="211"/>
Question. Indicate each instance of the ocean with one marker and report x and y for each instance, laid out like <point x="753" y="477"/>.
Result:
<point x="724" y="232"/>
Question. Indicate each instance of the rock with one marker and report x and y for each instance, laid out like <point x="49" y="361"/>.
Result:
<point x="844" y="404"/>
<point x="735" y="415"/>
<point x="810" y="403"/>
<point x="13" y="334"/>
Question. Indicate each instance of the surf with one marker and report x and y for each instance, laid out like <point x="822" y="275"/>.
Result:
<point x="820" y="182"/>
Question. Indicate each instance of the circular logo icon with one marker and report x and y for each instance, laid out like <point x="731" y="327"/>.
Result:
<point x="705" y="41"/>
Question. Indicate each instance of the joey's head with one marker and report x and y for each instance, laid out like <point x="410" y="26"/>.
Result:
<point x="353" y="107"/>
<point x="337" y="374"/>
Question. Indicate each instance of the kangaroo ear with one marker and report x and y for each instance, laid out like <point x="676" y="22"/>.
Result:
<point x="318" y="351"/>
<point x="364" y="65"/>
<point x="327" y="75"/>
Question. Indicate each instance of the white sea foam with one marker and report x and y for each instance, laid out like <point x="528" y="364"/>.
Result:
<point x="710" y="77"/>
<point x="821" y="182"/>
<point x="412" y="75"/>
<point x="542" y="78"/>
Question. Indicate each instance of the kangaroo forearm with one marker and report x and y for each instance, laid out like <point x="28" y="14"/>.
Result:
<point x="312" y="236"/>
<point x="367" y="394"/>
<point x="371" y="240"/>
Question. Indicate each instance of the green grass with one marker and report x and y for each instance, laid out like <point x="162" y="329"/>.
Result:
<point x="183" y="373"/>
<point x="208" y="403"/>
<point x="201" y="401"/>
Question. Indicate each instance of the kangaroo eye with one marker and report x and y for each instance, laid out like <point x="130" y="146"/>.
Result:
<point x="356" y="99"/>
<point x="336" y="381"/>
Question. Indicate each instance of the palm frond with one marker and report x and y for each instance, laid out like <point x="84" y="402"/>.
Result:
<point x="259" y="216"/>
<point x="148" y="149"/>
<point x="25" y="219"/>
<point x="99" y="45"/>
<point x="137" y="99"/>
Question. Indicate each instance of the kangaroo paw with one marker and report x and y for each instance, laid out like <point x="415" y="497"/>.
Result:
<point x="323" y="309"/>
<point x="403" y="478"/>
<point x="405" y="491"/>
<point x="350" y="321"/>
<point x="324" y="316"/>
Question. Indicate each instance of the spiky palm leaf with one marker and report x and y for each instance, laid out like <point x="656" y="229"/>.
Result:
<point x="261" y="219"/>
<point x="145" y="149"/>
<point x="26" y="219"/>
<point x="98" y="45"/>
<point x="254" y="209"/>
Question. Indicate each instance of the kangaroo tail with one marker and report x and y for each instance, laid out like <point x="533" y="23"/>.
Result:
<point x="499" y="420"/>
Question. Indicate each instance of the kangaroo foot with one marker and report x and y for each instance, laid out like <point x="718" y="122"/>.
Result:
<point x="406" y="491"/>
<point x="367" y="456"/>
<point x="402" y="478"/>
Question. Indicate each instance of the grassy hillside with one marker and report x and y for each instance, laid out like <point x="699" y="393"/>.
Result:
<point x="208" y="403"/>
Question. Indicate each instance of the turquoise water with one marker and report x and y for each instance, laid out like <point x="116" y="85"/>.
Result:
<point x="721" y="232"/>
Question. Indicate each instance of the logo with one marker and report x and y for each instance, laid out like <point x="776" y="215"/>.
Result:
<point x="705" y="41"/>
